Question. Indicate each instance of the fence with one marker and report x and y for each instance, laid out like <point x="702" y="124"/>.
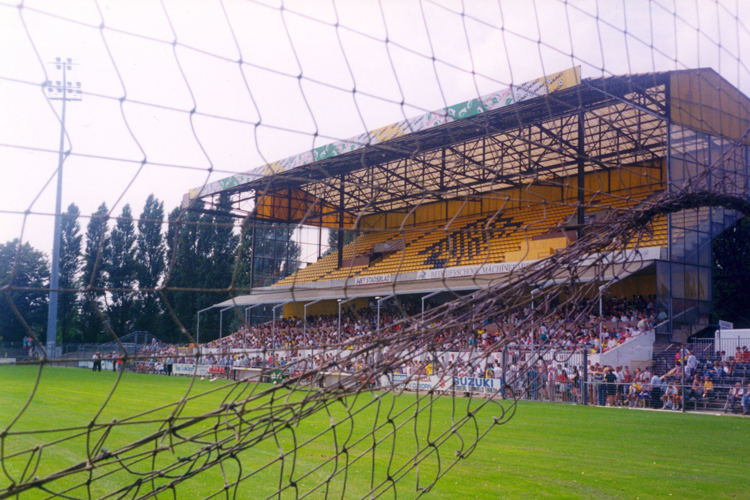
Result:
<point x="538" y="374"/>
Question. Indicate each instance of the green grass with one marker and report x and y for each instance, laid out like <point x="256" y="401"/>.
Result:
<point x="544" y="451"/>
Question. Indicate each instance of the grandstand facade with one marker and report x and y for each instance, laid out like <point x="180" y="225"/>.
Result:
<point x="456" y="199"/>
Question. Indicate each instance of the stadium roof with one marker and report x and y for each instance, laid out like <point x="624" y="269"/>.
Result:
<point x="504" y="139"/>
<point x="415" y="282"/>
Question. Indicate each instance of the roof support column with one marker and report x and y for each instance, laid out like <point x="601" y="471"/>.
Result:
<point x="581" y="151"/>
<point x="340" y="239"/>
<point x="273" y="325"/>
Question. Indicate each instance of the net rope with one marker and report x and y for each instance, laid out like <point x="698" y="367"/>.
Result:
<point x="381" y="438"/>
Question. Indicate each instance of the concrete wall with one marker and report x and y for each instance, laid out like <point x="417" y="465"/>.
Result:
<point x="638" y="349"/>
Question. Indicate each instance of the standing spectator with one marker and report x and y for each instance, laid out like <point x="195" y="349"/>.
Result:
<point x="656" y="391"/>
<point x="599" y="387"/>
<point x="533" y="381"/>
<point x="746" y="400"/>
<point x="611" y="379"/>
<point x="692" y="363"/>
<point x="97" y="358"/>
<point x="551" y="376"/>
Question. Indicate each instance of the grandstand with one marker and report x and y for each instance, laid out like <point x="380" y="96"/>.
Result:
<point x="456" y="199"/>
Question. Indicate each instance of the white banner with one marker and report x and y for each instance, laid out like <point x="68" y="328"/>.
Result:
<point x="479" y="385"/>
<point x="414" y="382"/>
<point x="725" y="325"/>
<point x="464" y="271"/>
<point x="186" y="369"/>
<point x="459" y="384"/>
<point x="373" y="280"/>
<point x="106" y="365"/>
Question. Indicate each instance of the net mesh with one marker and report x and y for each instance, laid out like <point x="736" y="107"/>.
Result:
<point x="479" y="236"/>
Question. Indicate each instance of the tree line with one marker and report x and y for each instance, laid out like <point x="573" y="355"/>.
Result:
<point x="129" y="275"/>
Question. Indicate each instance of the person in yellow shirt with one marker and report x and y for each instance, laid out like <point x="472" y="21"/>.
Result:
<point x="708" y="388"/>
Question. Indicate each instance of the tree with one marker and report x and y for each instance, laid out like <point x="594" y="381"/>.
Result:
<point x="150" y="254"/>
<point x="182" y="271"/>
<point x="333" y="238"/>
<point x="68" y="320"/>
<point x="268" y="253"/>
<point x="26" y="271"/>
<point x="732" y="269"/>
<point x="122" y="273"/>
<point x="96" y="261"/>
<point x="220" y="244"/>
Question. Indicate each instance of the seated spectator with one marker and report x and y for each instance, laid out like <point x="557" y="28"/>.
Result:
<point x="696" y="391"/>
<point x="708" y="388"/>
<point x="733" y="397"/>
<point x="671" y="397"/>
<point x="676" y="371"/>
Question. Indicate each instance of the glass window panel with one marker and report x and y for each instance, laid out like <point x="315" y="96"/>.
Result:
<point x="717" y="147"/>
<point x="662" y="278"/>
<point x="730" y="218"/>
<point x="678" y="281"/>
<point x="704" y="283"/>
<point x="678" y="170"/>
<point x="678" y="219"/>
<point x="691" y="247"/>
<point x="691" y="282"/>
<point x="676" y="139"/>
<point x="705" y="255"/>
<point x="692" y="169"/>
<point x="691" y="312"/>
<point x="704" y="220"/>
<point x="678" y="308"/>
<point x="678" y="244"/>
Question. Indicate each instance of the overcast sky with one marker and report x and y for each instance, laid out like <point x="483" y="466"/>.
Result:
<point x="145" y="66"/>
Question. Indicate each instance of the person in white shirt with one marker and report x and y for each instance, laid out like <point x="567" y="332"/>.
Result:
<point x="692" y="363"/>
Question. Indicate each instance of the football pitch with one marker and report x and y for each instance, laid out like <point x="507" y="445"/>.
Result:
<point x="545" y="451"/>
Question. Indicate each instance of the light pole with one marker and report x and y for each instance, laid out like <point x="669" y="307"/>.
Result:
<point x="304" y="319"/>
<point x="427" y="297"/>
<point x="380" y="301"/>
<point x="221" y="320"/>
<point x="198" y="328"/>
<point x="341" y="303"/>
<point x="58" y="91"/>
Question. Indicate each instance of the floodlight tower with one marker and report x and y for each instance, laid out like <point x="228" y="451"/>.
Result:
<point x="59" y="90"/>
